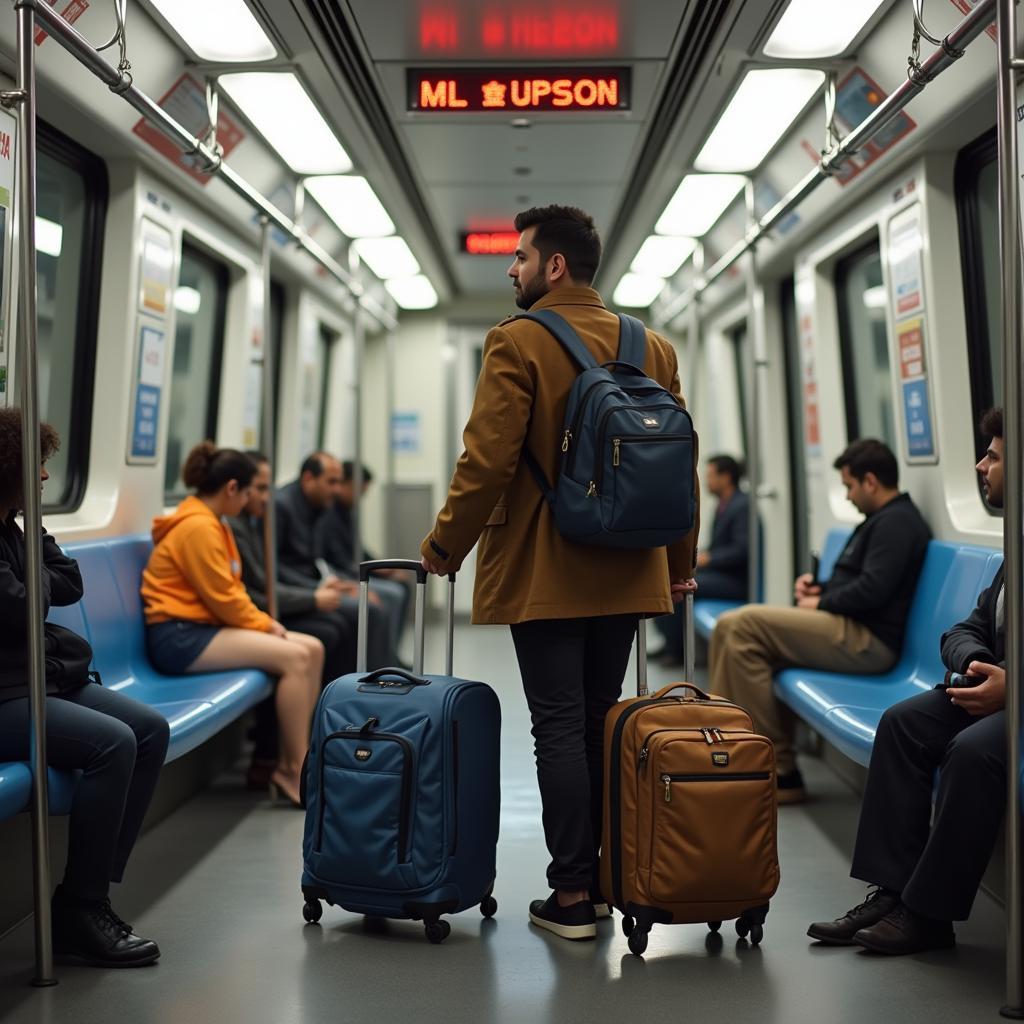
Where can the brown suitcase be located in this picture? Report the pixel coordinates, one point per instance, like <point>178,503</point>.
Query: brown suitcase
<point>689,810</point>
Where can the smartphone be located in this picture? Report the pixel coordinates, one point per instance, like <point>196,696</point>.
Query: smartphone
<point>959,679</point>
<point>815,567</point>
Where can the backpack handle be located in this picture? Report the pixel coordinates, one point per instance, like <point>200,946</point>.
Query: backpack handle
<point>621,366</point>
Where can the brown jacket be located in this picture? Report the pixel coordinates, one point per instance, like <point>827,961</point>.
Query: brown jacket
<point>525,568</point>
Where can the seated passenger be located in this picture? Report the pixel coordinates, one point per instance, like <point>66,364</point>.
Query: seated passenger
<point>315,610</point>
<point>300,506</point>
<point>722,568</point>
<point>924,874</point>
<point>852,623</point>
<point>199,617</point>
<point>336,544</point>
<point>118,743</point>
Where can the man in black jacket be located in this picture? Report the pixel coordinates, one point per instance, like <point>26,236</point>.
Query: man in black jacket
<point>852,623</point>
<point>722,568</point>
<point>925,874</point>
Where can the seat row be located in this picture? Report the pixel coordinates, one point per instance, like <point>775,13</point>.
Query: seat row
<point>110,617</point>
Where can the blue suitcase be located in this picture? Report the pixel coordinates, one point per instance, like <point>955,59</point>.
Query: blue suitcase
<point>402,787</point>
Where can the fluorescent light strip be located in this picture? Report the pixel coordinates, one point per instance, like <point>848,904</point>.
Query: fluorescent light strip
<point>387,257</point>
<point>412,292</point>
<point>217,30</point>
<point>662,255</point>
<point>637,291</point>
<point>49,237</point>
<point>819,28</point>
<point>285,115</point>
<point>352,205</point>
<point>762,108</point>
<point>187,300</point>
<point>698,203</point>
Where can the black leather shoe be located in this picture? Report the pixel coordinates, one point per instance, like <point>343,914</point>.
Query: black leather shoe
<point>575,922</point>
<point>841,931</point>
<point>91,933</point>
<point>902,931</point>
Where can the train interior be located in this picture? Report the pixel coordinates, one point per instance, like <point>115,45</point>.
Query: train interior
<point>392,144</point>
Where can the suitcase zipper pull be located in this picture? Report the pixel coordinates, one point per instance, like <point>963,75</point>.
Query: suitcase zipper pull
<point>566,440</point>
<point>644,754</point>
<point>371,723</point>
<point>615,451</point>
<point>667,779</point>
<point>721,735</point>
<point>706,733</point>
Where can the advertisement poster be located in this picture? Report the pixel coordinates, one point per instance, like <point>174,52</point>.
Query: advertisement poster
<point>156,269</point>
<point>145,419</point>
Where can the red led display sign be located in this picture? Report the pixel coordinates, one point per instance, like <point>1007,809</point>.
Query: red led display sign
<point>518,91</point>
<point>490,243</point>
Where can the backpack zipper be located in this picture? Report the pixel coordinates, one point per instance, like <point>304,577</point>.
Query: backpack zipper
<point>617,442</point>
<point>668,779</point>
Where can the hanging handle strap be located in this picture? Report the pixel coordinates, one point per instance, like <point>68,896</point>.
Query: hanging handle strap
<point>632,341</point>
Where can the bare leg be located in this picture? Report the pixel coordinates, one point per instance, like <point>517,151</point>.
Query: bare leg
<point>297,661</point>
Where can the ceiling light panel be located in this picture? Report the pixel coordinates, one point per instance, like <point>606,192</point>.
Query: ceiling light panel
<point>698,203</point>
<point>387,257</point>
<point>637,291</point>
<point>217,30</point>
<point>49,237</point>
<point>286,116</point>
<point>662,255</point>
<point>350,202</point>
<point>819,28</point>
<point>763,107</point>
<point>412,292</point>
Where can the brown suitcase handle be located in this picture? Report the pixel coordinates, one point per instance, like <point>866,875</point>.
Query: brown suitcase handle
<point>666,690</point>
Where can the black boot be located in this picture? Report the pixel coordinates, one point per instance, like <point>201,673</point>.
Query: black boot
<point>841,931</point>
<point>902,931</point>
<point>89,932</point>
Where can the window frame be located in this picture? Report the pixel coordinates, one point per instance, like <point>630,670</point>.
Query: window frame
<point>970,162</point>
<point>789,319</point>
<point>329,339</point>
<point>78,442</point>
<point>222,271</point>
<point>739,340</point>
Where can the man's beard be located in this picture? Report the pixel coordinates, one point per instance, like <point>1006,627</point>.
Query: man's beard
<point>536,289</point>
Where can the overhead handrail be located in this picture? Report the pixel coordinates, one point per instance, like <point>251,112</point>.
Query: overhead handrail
<point>953,47</point>
<point>120,82</point>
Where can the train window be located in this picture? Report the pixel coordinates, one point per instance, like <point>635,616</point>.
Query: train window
<point>977,193</point>
<point>201,303</point>
<point>864,342</point>
<point>71,197</point>
<point>328,338</point>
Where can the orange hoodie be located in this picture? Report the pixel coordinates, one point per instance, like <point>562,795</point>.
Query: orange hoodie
<point>195,572</point>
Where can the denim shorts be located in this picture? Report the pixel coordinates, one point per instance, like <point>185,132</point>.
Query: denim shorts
<point>172,646</point>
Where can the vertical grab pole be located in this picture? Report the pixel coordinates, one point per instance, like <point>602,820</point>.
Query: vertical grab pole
<point>756,358</point>
<point>391,369</point>
<point>1009,253</point>
<point>267,426</point>
<point>28,375</point>
<point>693,328</point>
<point>359,356</point>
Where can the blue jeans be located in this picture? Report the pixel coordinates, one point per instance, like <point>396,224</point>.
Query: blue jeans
<point>119,745</point>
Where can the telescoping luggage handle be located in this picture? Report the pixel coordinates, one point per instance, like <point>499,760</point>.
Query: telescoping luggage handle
<point>362,629</point>
<point>688,652</point>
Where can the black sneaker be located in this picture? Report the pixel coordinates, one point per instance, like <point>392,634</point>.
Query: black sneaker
<point>91,933</point>
<point>575,922</point>
<point>791,788</point>
<point>902,931</point>
<point>841,931</point>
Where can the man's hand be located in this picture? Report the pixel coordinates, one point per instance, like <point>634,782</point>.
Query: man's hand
<point>987,697</point>
<point>703,559</point>
<point>680,588</point>
<point>328,596</point>
<point>810,603</point>
<point>806,587</point>
<point>431,568</point>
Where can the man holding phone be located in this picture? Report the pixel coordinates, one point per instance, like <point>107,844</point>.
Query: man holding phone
<point>924,874</point>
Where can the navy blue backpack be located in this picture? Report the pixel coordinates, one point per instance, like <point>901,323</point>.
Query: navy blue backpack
<point>628,449</point>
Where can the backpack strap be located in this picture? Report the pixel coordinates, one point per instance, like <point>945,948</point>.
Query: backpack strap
<point>632,341</point>
<point>564,335</point>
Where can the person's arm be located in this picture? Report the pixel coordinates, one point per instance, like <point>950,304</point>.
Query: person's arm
<point>969,640</point>
<point>493,439</point>
<point>287,572</point>
<point>204,563</point>
<point>682,556</point>
<point>733,551</point>
<point>14,597</point>
<point>891,549</point>
<point>291,600</point>
<point>63,574</point>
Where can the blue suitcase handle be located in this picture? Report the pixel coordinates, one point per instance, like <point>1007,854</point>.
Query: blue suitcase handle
<point>383,673</point>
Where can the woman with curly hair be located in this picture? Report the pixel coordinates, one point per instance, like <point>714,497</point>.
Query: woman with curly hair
<point>118,744</point>
<point>199,616</point>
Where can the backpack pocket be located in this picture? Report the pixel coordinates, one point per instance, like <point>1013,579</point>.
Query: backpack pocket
<point>652,482</point>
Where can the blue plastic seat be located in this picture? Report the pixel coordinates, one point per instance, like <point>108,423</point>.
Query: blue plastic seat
<point>846,709</point>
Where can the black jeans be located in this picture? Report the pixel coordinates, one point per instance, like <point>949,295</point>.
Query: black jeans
<point>120,745</point>
<point>572,672</point>
<point>937,866</point>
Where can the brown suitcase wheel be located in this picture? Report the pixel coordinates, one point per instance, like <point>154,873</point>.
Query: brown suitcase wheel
<point>714,925</point>
<point>756,934</point>
<point>628,924</point>
<point>742,927</point>
<point>638,942</point>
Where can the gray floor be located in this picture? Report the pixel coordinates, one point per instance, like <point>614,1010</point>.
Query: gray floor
<point>218,886</point>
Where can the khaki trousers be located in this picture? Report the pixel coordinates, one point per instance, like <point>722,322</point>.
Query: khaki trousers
<point>751,643</point>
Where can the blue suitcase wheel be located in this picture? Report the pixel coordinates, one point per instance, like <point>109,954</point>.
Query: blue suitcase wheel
<point>489,906</point>
<point>312,911</point>
<point>438,931</point>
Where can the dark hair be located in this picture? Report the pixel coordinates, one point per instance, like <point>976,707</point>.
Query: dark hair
<point>313,463</point>
<point>348,472</point>
<point>568,230</point>
<point>728,465</point>
<point>257,457</point>
<point>209,468</point>
<point>870,456</point>
<point>10,453</point>
<point>991,424</point>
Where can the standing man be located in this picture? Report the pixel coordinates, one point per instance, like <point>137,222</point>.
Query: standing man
<point>924,872</point>
<point>573,609</point>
